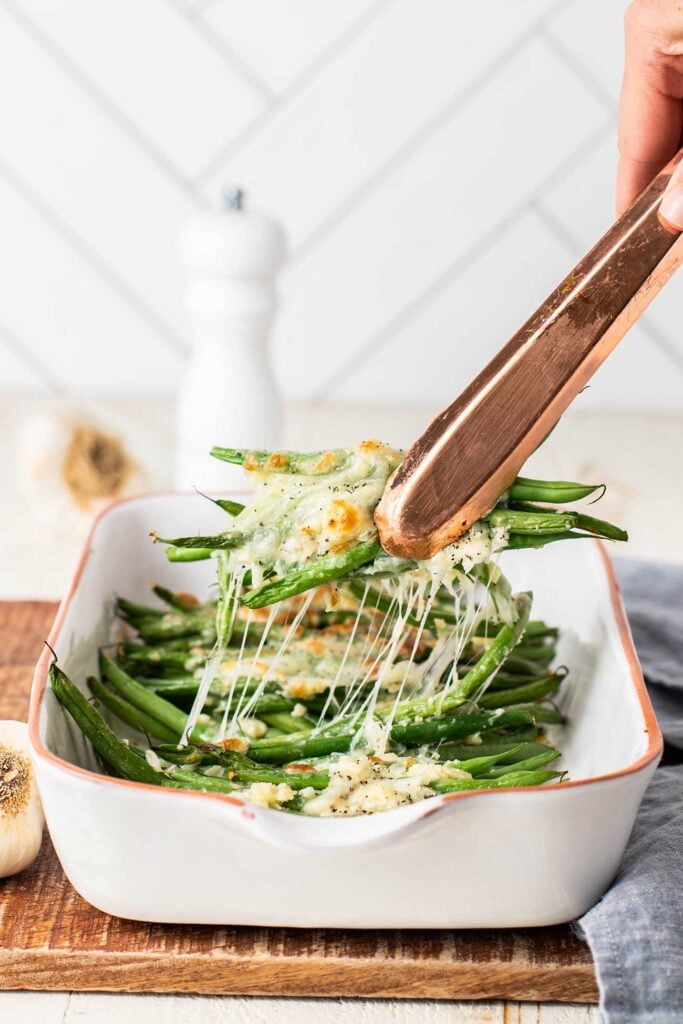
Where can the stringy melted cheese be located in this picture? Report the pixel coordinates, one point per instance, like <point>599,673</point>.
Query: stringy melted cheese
<point>311,662</point>
<point>294,519</point>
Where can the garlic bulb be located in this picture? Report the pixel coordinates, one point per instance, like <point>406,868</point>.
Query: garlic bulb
<point>21,813</point>
<point>70,467</point>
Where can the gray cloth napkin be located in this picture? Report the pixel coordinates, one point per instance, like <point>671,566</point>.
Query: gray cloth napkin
<point>635,932</point>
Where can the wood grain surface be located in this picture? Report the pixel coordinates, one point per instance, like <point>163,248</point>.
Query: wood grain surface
<point>52,939</point>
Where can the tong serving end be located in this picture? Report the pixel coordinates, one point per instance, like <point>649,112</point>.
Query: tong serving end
<point>471,453</point>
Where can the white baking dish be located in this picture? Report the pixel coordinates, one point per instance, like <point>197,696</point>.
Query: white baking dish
<point>535,856</point>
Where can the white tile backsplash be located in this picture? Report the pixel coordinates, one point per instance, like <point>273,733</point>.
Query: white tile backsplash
<point>158,73</point>
<point>430,210</point>
<point>438,167</point>
<point>593,33</point>
<point>18,365</point>
<point>48,294</point>
<point>279,40</point>
<point>88,171</point>
<point>384,94</point>
<point>434,354</point>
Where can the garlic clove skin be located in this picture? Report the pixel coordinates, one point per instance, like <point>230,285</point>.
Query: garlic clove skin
<point>21,812</point>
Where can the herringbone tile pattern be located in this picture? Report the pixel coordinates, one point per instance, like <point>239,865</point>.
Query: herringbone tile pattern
<point>438,164</point>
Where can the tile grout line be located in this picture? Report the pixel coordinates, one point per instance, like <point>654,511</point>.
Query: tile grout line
<point>325,57</point>
<point>198,8</point>
<point>427,129</point>
<point>404,316</point>
<point>195,19</point>
<point>659,337</point>
<point>290,92</point>
<point>564,54</point>
<point>97,263</point>
<point>12,341</point>
<point>103,101</point>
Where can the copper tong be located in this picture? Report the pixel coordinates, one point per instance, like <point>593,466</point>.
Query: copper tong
<point>456,471</point>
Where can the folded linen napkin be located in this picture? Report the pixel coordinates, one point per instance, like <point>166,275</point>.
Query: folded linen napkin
<point>635,932</point>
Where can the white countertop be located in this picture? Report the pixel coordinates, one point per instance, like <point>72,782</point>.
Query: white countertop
<point>84,1008</point>
<point>636,456</point>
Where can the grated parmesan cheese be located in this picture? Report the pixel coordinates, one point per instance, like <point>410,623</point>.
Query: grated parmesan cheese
<point>268,794</point>
<point>365,785</point>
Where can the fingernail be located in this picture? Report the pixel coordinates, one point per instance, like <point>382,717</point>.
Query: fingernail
<point>671,209</point>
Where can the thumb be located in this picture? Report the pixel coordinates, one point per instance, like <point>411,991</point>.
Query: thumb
<point>671,206</point>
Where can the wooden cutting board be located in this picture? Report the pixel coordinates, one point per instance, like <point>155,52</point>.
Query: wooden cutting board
<point>52,939</point>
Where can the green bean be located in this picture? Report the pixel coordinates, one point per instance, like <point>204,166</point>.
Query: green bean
<point>519,541</point>
<point>551,491</point>
<point>322,570</point>
<point>233,508</point>
<point>503,748</point>
<point>185,757</point>
<point>536,523</point>
<point>283,721</point>
<point>534,654</point>
<point>217,542</point>
<point>176,625</point>
<point>598,527</point>
<point>130,714</point>
<point>179,779</point>
<point>524,667</point>
<point>178,688</point>
<point>478,765</point>
<point>601,528</point>
<point>130,610</point>
<point>181,602</point>
<point>506,680</point>
<point>493,657</point>
<point>91,723</point>
<point>520,734</point>
<point>290,749</point>
<point>145,699</point>
<point>450,727</point>
<point>306,463</point>
<point>528,693</point>
<point>248,771</point>
<point>542,713</point>
<point>527,764</point>
<point>514,779</point>
<point>175,554</point>
<point>143,656</point>
<point>538,628</point>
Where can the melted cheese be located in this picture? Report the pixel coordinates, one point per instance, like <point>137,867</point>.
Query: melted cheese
<point>365,785</point>
<point>268,794</point>
<point>294,518</point>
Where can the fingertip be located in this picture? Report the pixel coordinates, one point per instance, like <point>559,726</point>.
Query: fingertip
<point>670,211</point>
<point>667,225</point>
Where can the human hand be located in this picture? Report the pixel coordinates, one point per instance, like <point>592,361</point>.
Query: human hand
<point>651,105</point>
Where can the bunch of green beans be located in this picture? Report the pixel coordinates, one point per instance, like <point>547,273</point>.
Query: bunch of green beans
<point>506,722</point>
<point>523,512</point>
<point>485,715</point>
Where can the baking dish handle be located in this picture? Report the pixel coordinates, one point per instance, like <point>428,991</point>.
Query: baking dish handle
<point>318,835</point>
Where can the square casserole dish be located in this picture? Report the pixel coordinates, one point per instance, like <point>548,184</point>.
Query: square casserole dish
<point>514,858</point>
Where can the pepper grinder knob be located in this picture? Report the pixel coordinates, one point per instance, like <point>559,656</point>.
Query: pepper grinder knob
<point>228,396</point>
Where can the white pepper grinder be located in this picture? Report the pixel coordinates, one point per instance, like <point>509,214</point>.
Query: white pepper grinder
<point>228,396</point>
